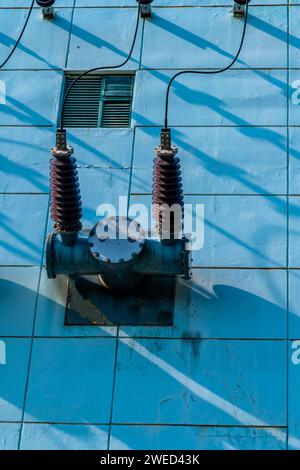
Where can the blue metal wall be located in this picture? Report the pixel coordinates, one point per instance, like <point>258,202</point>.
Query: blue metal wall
<point>226,375</point>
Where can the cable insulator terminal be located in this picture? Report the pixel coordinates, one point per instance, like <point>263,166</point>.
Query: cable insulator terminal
<point>62,149</point>
<point>65,199</point>
<point>167,193</point>
<point>166,148</point>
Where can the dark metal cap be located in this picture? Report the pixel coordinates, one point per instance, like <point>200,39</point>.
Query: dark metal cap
<point>242,2</point>
<point>45,3</point>
<point>144,2</point>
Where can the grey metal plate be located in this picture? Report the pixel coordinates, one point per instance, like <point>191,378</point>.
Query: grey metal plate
<point>149,304</point>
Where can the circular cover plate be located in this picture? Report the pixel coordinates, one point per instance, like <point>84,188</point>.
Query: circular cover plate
<point>116,239</point>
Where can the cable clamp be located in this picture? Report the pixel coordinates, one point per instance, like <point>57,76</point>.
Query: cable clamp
<point>239,9</point>
<point>48,13</point>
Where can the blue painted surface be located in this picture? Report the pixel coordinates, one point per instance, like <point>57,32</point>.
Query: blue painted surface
<point>294,252</point>
<point>294,382</point>
<point>9,433</point>
<point>32,53</point>
<point>13,378</point>
<point>88,50</point>
<point>24,159</point>
<point>231,358</point>
<point>212,161</point>
<point>180,30</point>
<point>201,382</point>
<point>258,240</point>
<point>196,437</point>
<point>22,231</point>
<point>56,393</point>
<point>66,437</point>
<point>32,98</point>
<point>294,316</point>
<point>16,317</point>
<point>245,97</point>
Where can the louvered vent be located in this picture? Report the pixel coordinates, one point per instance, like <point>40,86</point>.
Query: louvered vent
<point>98,101</point>
<point>116,109</point>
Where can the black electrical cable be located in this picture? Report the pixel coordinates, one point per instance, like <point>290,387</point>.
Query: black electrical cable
<point>206,72</point>
<point>61,120</point>
<point>19,38</point>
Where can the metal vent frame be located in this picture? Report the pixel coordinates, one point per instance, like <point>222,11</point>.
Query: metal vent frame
<point>98,100</point>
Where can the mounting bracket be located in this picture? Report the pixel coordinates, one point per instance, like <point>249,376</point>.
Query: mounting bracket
<point>48,13</point>
<point>239,8</point>
<point>145,8</point>
<point>151,303</point>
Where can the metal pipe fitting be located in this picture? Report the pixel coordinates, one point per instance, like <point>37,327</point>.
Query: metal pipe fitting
<point>122,261</point>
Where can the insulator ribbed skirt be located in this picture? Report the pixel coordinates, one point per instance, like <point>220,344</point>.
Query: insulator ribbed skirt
<point>167,193</point>
<point>66,208</point>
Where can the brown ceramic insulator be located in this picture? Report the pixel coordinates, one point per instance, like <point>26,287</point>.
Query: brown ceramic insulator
<point>66,209</point>
<point>167,191</point>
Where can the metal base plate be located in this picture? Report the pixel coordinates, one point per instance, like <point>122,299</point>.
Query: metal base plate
<point>149,304</point>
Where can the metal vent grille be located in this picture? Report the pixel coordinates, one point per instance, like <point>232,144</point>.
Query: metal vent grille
<point>98,101</point>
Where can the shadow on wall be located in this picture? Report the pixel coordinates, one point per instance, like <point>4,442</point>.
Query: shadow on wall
<point>59,394</point>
